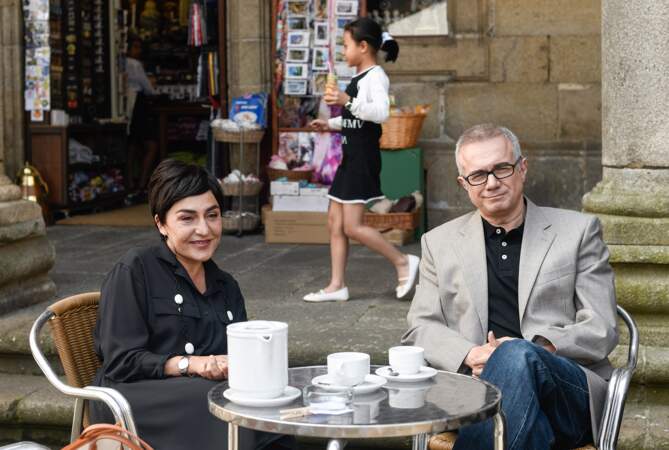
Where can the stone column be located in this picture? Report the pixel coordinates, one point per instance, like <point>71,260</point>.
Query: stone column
<point>249,62</point>
<point>25,253</point>
<point>632,199</point>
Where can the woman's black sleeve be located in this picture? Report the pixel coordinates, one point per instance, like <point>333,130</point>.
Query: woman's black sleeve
<point>122,332</point>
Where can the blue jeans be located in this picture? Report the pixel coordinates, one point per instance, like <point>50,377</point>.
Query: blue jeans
<point>544,398</point>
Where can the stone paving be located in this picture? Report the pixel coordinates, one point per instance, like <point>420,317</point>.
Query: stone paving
<point>273,279</point>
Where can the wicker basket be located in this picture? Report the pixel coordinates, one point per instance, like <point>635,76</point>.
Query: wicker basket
<point>400,221</point>
<point>291,175</point>
<point>250,136</point>
<point>248,188</point>
<point>401,130</point>
<point>231,221</point>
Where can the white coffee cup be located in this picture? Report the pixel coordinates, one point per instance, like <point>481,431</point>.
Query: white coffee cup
<point>405,359</point>
<point>348,368</point>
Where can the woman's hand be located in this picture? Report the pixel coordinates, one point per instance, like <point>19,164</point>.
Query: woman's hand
<point>319,124</point>
<point>212,367</point>
<point>336,97</point>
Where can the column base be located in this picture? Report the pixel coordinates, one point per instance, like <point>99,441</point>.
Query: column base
<point>633,206</point>
<point>26,256</point>
<point>630,192</point>
<point>24,293</point>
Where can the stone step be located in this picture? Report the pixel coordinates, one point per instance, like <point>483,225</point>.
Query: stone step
<point>15,355</point>
<point>30,409</point>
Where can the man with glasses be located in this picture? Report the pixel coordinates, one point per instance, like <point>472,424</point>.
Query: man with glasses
<point>521,296</point>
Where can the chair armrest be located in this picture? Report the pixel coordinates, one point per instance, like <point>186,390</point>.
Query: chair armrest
<point>612,415</point>
<point>113,399</point>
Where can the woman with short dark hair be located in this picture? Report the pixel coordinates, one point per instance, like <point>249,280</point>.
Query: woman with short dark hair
<point>161,328</point>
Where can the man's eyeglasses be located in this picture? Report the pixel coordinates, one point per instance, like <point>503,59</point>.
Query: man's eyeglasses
<point>501,171</point>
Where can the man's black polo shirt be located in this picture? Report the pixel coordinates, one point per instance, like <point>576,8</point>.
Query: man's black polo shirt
<point>503,259</point>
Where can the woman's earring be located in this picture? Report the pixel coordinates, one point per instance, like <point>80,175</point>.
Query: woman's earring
<point>164,237</point>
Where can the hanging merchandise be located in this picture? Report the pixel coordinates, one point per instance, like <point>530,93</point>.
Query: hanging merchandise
<point>212,71</point>
<point>184,6</point>
<point>202,76</point>
<point>149,20</point>
<point>37,91</point>
<point>208,77</point>
<point>197,32</point>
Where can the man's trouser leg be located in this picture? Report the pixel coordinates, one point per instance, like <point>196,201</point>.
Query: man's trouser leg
<point>544,397</point>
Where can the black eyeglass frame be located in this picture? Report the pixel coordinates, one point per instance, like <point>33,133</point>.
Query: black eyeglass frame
<point>492,172</point>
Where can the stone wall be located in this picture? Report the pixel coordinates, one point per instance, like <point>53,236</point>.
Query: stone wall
<point>531,65</point>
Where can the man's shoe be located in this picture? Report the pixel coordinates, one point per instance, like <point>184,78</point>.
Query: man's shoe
<point>321,296</point>
<point>403,289</point>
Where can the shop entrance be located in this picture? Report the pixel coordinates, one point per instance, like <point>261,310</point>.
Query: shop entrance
<point>113,87</point>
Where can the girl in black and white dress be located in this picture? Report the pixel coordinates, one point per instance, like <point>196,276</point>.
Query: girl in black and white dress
<point>357,181</point>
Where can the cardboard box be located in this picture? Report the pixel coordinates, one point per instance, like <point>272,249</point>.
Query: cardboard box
<point>283,227</point>
<point>284,188</point>
<point>311,228</point>
<point>314,192</point>
<point>299,203</point>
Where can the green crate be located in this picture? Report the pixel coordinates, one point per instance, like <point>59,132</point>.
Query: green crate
<point>401,174</point>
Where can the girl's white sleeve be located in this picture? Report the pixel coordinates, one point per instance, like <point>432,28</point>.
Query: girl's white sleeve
<point>372,103</point>
<point>334,123</point>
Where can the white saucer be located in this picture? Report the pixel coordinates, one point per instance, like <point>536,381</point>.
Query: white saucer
<point>289,394</point>
<point>371,384</point>
<point>425,373</point>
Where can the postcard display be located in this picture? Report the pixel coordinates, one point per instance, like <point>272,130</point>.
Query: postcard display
<point>309,45</point>
<point>38,38</point>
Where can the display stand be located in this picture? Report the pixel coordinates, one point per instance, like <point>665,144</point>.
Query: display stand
<point>244,221</point>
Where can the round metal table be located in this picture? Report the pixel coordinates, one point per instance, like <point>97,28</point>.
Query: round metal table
<point>446,402</point>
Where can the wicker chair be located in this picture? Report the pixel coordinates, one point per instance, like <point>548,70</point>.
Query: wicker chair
<point>72,321</point>
<point>616,395</point>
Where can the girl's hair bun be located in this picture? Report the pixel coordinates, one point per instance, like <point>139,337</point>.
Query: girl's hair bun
<point>389,47</point>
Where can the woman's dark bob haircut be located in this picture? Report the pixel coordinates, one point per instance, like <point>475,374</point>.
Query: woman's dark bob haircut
<point>174,180</point>
<point>366,29</point>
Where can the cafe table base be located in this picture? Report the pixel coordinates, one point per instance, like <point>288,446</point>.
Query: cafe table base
<point>447,402</point>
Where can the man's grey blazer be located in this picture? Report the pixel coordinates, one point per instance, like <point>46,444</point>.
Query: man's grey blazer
<point>565,293</point>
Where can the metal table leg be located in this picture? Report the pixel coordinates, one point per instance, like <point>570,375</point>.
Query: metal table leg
<point>499,433</point>
<point>420,441</point>
<point>336,444</point>
<point>233,436</point>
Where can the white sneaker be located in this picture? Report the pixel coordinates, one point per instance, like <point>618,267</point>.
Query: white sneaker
<point>403,289</point>
<point>321,296</point>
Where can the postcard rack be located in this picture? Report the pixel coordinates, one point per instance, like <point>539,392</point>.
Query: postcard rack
<point>307,43</point>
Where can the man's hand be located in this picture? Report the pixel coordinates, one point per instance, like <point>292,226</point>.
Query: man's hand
<point>545,343</point>
<point>478,356</point>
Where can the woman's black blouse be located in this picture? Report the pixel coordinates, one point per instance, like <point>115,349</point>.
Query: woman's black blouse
<point>140,325</point>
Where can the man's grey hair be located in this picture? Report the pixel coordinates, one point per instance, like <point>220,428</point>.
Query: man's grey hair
<point>485,132</point>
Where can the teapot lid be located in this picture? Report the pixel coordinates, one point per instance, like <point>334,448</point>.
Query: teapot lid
<point>253,327</point>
